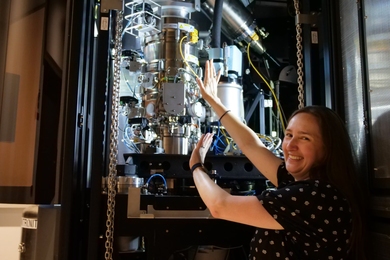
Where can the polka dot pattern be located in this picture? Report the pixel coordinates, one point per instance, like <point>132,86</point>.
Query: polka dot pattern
<point>315,216</point>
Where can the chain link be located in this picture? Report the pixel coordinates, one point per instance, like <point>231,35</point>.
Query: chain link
<point>299,57</point>
<point>111,182</point>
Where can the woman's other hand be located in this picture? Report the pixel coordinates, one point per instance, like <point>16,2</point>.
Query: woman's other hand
<point>208,88</point>
<point>202,147</point>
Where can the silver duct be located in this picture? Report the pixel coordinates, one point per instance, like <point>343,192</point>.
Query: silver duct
<point>237,24</point>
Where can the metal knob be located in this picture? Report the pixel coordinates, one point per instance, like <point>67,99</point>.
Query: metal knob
<point>22,247</point>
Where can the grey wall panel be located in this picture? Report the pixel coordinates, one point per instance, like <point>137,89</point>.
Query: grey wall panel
<point>352,79</point>
<point>366,63</point>
<point>377,24</point>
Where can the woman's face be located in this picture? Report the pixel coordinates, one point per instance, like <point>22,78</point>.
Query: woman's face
<point>302,145</point>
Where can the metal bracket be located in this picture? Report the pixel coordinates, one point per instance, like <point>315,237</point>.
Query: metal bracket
<point>307,19</point>
<point>197,5</point>
<point>203,214</point>
<point>107,5</point>
<point>134,202</point>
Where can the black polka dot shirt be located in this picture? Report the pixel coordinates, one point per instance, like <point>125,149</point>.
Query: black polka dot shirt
<point>315,216</point>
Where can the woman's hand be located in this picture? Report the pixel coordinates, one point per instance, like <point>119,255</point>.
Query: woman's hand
<point>208,88</point>
<point>202,147</point>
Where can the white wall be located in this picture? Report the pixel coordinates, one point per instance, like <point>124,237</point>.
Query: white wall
<point>10,230</point>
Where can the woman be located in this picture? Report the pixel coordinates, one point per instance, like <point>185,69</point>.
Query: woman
<point>315,212</point>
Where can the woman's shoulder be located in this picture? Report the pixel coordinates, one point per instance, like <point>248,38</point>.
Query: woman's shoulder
<point>284,177</point>
<point>318,190</point>
<point>310,187</point>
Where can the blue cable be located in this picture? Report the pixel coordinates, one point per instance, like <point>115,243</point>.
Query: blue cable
<point>251,192</point>
<point>218,149</point>
<point>154,175</point>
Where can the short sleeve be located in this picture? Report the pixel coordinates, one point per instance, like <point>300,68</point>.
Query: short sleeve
<point>284,177</point>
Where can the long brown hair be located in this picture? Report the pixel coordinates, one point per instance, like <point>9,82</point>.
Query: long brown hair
<point>339,168</point>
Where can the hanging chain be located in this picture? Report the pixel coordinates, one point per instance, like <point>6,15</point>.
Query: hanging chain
<point>299,57</point>
<point>111,182</point>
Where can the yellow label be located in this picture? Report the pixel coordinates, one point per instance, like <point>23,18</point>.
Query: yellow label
<point>186,27</point>
<point>254,37</point>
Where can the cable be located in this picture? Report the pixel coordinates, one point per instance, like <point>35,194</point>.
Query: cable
<point>276,119</point>
<point>157,174</point>
<point>127,83</point>
<point>128,140</point>
<point>181,70</point>
<point>279,142</point>
<point>217,149</point>
<point>250,193</point>
<point>268,85</point>
<point>182,56</point>
<point>192,75</point>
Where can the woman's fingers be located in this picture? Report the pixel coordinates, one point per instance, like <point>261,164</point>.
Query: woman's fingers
<point>209,84</point>
<point>199,81</point>
<point>207,140</point>
<point>218,76</point>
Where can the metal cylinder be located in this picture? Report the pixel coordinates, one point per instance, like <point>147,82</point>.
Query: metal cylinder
<point>175,139</point>
<point>231,95</point>
<point>163,52</point>
<point>124,182</point>
<point>237,23</point>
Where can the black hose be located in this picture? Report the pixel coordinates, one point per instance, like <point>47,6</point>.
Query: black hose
<point>217,24</point>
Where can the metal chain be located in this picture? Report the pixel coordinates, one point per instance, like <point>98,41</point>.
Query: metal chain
<point>111,182</point>
<point>299,57</point>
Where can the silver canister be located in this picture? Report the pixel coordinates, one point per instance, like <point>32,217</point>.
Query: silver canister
<point>124,182</point>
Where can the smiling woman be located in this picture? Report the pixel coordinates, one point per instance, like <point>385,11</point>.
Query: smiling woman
<point>303,146</point>
<point>316,210</point>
